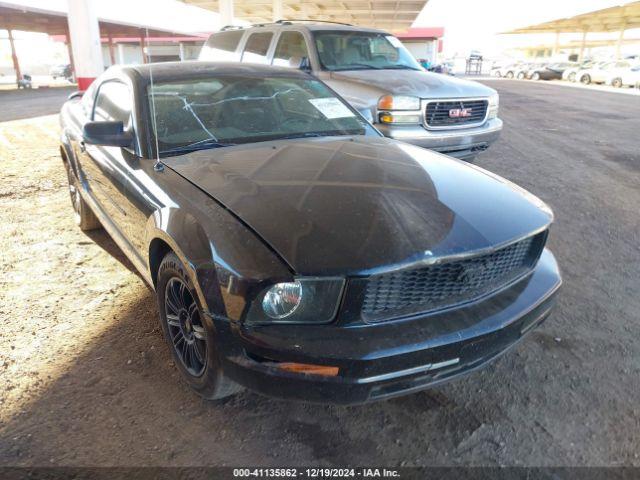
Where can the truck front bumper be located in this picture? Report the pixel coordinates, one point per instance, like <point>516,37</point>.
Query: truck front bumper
<point>460,143</point>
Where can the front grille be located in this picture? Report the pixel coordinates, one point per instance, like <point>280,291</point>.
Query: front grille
<point>438,286</point>
<point>449,113</point>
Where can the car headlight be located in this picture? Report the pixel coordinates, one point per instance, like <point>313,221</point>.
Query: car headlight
<point>305,300</point>
<point>398,102</point>
<point>494,104</point>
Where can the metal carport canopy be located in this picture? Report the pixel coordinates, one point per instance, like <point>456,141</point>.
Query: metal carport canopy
<point>613,19</point>
<point>388,15</point>
<point>53,22</point>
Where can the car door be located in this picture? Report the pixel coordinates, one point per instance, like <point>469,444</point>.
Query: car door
<point>108,167</point>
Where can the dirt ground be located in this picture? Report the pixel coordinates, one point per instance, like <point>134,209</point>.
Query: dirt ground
<point>87,380</point>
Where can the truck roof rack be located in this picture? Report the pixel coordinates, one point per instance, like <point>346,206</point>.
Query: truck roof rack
<point>282,22</point>
<point>291,20</point>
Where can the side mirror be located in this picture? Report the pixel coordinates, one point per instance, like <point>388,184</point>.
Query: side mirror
<point>108,134</point>
<point>77,94</point>
<point>301,63</point>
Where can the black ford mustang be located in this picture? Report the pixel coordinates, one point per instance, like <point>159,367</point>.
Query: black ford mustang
<point>293,249</point>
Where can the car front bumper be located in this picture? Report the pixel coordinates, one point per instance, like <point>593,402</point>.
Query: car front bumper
<point>460,143</point>
<point>391,358</point>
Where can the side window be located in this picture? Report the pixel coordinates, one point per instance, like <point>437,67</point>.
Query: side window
<point>221,46</point>
<point>256,48</point>
<point>113,103</point>
<point>291,48</point>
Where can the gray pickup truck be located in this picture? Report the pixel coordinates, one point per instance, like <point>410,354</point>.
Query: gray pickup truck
<point>374,72</point>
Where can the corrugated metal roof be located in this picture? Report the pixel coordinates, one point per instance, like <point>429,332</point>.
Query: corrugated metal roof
<point>613,19</point>
<point>384,14</point>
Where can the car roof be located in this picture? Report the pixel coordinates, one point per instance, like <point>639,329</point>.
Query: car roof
<point>168,71</point>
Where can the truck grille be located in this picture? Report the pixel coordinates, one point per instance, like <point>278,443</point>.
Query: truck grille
<point>455,113</point>
<point>438,286</point>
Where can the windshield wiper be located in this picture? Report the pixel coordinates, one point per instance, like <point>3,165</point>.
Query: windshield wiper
<point>328,133</point>
<point>192,147</point>
<point>358,66</point>
<point>400,67</point>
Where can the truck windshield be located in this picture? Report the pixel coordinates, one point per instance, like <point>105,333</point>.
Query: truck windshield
<point>349,50</point>
<point>226,110</point>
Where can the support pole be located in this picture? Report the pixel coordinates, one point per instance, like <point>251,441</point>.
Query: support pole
<point>70,53</point>
<point>277,10</point>
<point>14,57</point>
<point>556,45</point>
<point>85,41</point>
<point>225,8</point>
<point>582,45</point>
<point>145,59</point>
<point>619,42</point>
<point>112,52</point>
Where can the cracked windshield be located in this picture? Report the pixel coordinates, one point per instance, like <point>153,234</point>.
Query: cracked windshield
<point>226,110</point>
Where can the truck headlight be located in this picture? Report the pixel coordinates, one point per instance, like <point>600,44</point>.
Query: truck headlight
<point>305,300</point>
<point>398,102</point>
<point>494,104</point>
<point>399,109</point>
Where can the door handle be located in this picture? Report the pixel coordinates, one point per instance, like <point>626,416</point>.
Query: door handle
<point>83,147</point>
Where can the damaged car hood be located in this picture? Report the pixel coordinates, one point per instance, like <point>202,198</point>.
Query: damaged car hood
<point>360,205</point>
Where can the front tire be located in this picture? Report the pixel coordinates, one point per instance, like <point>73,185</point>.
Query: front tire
<point>190,334</point>
<point>585,79</point>
<point>520,76</point>
<point>535,76</point>
<point>82,213</point>
<point>509,75</point>
<point>616,82</point>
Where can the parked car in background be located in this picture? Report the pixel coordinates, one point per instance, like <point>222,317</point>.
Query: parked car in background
<point>292,248</point>
<point>571,72</point>
<point>549,72</point>
<point>61,71</point>
<point>509,71</point>
<point>374,72</point>
<point>525,71</point>
<point>629,77</point>
<point>443,68</point>
<point>601,72</point>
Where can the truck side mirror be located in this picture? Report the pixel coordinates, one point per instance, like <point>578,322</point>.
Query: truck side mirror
<point>301,63</point>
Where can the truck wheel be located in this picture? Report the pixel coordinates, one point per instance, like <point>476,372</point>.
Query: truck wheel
<point>82,213</point>
<point>190,335</point>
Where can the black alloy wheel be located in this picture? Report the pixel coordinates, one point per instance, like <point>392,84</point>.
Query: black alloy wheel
<point>187,334</point>
<point>191,335</point>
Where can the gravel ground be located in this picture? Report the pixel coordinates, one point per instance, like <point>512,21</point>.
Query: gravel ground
<point>86,379</point>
